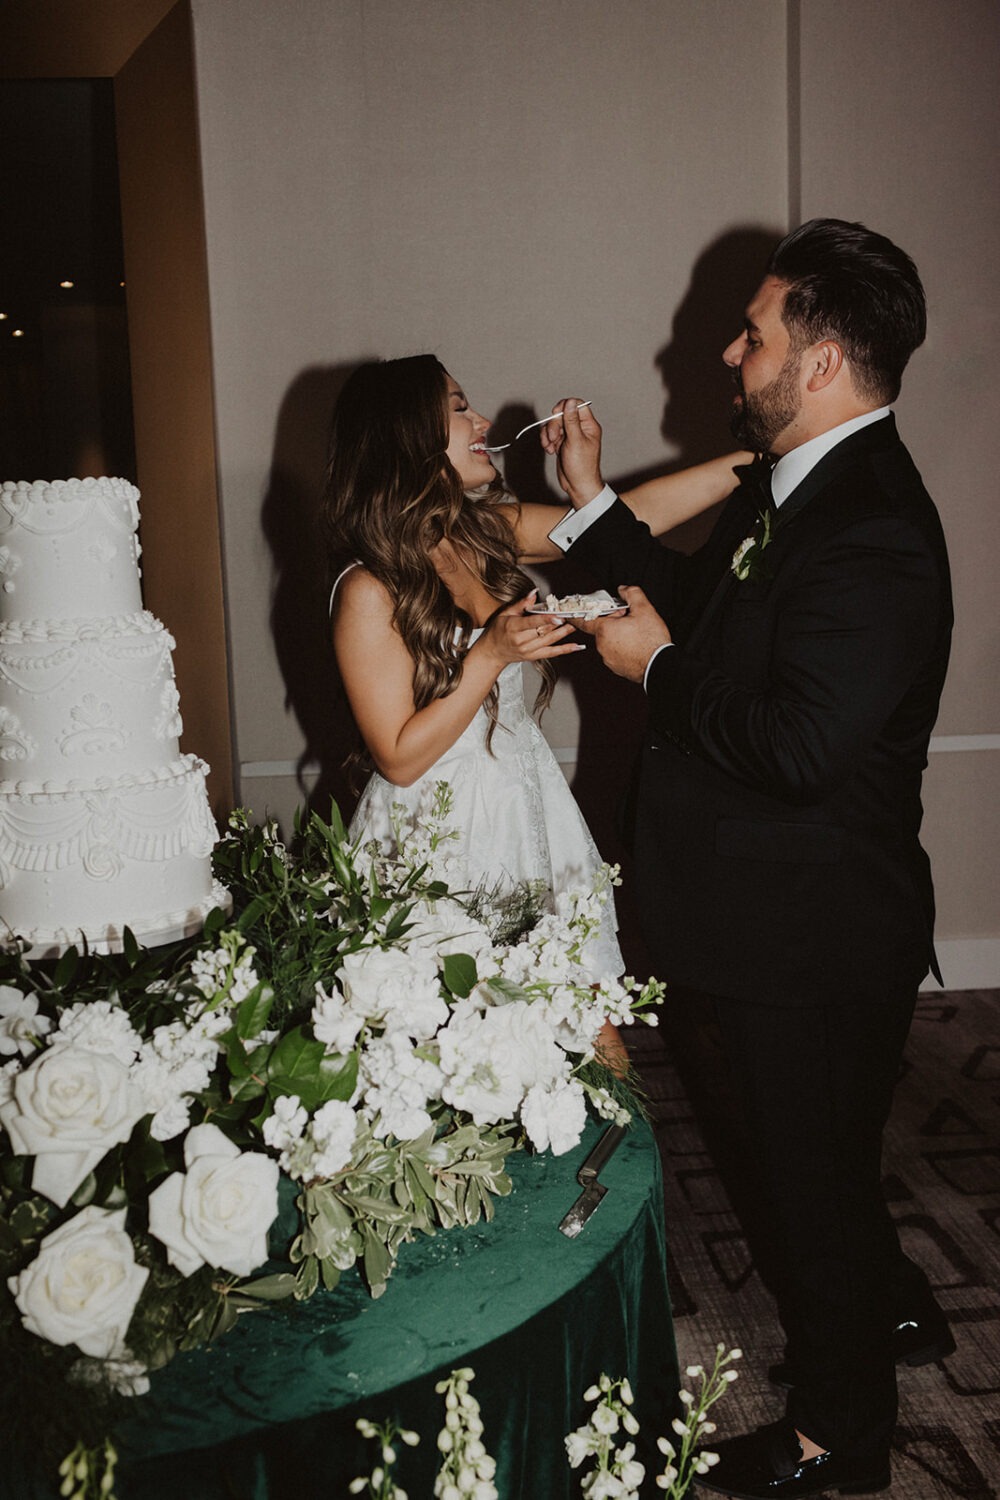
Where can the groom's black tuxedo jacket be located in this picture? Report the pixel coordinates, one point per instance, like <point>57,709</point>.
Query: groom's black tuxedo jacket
<point>776,810</point>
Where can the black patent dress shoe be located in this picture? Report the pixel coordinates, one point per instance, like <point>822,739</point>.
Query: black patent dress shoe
<point>921,1339</point>
<point>769,1462</point>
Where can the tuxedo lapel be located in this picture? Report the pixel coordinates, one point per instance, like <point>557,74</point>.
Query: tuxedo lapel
<point>871,439</point>
<point>755,487</point>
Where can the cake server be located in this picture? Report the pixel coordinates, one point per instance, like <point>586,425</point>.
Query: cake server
<point>593,1190</point>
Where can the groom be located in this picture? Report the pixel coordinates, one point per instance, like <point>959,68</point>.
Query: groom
<point>792,670</point>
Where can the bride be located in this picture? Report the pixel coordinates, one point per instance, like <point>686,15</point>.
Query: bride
<point>431,625</point>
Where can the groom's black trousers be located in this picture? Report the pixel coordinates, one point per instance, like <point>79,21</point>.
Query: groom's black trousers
<point>816,1084</point>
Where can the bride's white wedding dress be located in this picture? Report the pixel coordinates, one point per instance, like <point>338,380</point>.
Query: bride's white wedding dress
<point>516,816</point>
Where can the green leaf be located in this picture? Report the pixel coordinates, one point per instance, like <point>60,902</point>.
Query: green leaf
<point>253,1013</point>
<point>29,1220</point>
<point>460,974</point>
<point>377,1261</point>
<point>254,909</point>
<point>213,924</point>
<point>66,969</point>
<point>377,1208</point>
<point>299,1065</point>
<point>307,1279</point>
<point>268,1288</point>
<point>330,1273</point>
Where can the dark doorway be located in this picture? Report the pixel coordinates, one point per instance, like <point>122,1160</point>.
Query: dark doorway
<point>65,393</point>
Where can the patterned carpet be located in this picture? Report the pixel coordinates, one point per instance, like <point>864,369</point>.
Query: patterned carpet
<point>942,1179</point>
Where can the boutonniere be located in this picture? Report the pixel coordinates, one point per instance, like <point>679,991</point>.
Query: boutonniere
<point>748,559</point>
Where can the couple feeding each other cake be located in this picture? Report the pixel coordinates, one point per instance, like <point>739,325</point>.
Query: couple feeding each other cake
<point>792,669</point>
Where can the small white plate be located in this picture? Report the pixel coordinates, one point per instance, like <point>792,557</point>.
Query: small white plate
<point>583,605</point>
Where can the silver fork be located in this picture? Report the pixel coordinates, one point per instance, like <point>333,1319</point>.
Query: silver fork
<point>540,423</point>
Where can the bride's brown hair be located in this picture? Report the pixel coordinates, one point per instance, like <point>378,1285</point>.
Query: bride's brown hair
<point>392,496</point>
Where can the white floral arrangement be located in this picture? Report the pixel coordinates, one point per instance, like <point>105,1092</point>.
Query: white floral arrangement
<point>340,1065</point>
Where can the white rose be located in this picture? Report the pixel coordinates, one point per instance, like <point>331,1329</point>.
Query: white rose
<point>20,1022</point>
<point>67,1110</point>
<point>218,1212</point>
<point>83,1285</point>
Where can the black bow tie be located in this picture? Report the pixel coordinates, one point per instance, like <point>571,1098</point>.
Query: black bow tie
<point>755,480</point>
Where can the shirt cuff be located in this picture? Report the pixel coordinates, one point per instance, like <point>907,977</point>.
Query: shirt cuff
<point>575,524</point>
<point>645,676</point>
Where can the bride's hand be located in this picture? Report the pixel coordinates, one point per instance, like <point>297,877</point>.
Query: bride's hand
<point>513,635</point>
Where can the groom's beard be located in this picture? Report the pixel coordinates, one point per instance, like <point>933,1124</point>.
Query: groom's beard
<point>762,415</point>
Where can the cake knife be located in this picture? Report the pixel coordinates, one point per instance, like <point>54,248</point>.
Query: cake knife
<point>593,1190</point>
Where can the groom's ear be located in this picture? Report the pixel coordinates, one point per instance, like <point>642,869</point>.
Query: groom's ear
<point>822,363</point>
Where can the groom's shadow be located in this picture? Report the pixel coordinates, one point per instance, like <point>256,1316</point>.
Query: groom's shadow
<point>698,391</point>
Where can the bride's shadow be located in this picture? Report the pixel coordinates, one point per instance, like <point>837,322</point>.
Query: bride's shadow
<point>291,519</point>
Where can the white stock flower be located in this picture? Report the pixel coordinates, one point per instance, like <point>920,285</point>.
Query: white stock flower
<point>99,1026</point>
<point>83,1285</point>
<point>605,1419</point>
<point>580,1445</point>
<point>67,1110</point>
<point>334,1129</point>
<point>335,1023</point>
<point>218,1212</point>
<point>284,1128</point>
<point>20,1022</point>
<point>492,1058</point>
<point>400,988</point>
<point>554,1117</point>
<point>444,926</point>
<point>396,1084</point>
<point>176,1064</point>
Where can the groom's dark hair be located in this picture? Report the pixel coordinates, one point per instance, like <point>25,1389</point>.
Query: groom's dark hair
<point>849,284</point>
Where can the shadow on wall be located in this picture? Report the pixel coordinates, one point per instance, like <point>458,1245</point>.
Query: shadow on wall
<point>695,421</point>
<point>291,519</point>
<point>612,711</point>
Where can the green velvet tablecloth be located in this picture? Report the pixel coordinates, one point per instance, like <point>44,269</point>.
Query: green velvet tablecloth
<point>268,1412</point>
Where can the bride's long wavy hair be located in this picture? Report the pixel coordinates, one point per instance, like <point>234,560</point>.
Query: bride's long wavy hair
<point>392,496</point>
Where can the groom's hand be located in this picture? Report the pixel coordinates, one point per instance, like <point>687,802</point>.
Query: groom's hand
<point>626,642</point>
<point>576,443</point>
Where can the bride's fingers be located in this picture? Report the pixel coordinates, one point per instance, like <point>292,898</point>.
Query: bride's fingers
<point>548,638</point>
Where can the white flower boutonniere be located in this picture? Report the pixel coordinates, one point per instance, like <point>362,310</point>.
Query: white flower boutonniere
<point>748,559</point>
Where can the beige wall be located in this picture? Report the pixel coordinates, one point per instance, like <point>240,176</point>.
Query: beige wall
<point>909,141</point>
<point>575,198</point>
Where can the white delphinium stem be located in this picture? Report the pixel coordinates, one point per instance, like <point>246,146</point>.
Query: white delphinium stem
<point>379,1484</point>
<point>467,1470</point>
<point>89,1473</point>
<point>618,1472</point>
<point>685,1462</point>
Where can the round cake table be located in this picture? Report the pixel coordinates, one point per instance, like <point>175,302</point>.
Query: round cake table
<point>268,1412</point>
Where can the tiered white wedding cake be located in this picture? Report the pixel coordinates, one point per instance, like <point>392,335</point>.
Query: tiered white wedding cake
<point>107,825</point>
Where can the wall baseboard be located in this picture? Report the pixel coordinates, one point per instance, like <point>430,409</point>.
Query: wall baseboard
<point>967,964</point>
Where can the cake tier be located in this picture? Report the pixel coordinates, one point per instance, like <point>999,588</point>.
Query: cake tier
<point>66,545</point>
<point>80,698</point>
<point>89,860</point>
